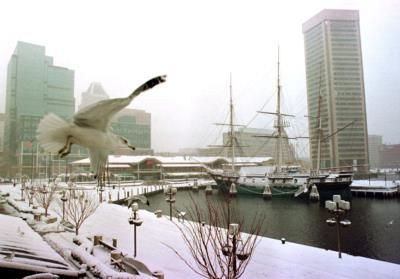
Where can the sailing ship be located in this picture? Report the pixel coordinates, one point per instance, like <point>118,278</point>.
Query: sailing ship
<point>227,177</point>
<point>292,180</point>
<point>281,180</point>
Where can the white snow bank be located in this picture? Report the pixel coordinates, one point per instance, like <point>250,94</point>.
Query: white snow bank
<point>97,267</point>
<point>271,258</point>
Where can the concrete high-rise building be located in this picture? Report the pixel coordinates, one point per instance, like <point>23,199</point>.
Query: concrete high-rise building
<point>375,145</point>
<point>133,124</point>
<point>2,122</point>
<point>335,79</point>
<point>35,87</point>
<point>390,156</point>
<point>94,94</point>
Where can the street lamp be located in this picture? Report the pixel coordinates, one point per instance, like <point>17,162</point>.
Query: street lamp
<point>170,192</point>
<point>136,222</point>
<point>231,249</point>
<point>338,208</point>
<point>22,190</point>
<point>31,194</point>
<point>64,199</point>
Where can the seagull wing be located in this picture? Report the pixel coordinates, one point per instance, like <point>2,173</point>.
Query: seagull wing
<point>98,160</point>
<point>98,115</point>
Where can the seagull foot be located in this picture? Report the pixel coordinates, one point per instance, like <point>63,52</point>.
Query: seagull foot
<point>63,153</point>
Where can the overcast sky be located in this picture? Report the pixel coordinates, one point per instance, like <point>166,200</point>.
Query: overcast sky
<point>197,44</point>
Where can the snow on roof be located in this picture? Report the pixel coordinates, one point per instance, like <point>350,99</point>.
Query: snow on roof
<point>125,159</point>
<point>21,245</point>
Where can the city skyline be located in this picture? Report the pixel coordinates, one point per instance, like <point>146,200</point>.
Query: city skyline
<point>123,44</point>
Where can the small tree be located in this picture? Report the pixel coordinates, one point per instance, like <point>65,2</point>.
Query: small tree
<point>79,207</point>
<point>216,251</point>
<point>45,196</point>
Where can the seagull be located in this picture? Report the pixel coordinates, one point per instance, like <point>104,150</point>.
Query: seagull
<point>137,198</point>
<point>90,128</point>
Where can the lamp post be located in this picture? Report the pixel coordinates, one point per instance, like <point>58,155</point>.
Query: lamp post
<point>22,190</point>
<point>64,199</point>
<point>31,194</point>
<point>170,192</point>
<point>338,208</point>
<point>231,249</point>
<point>44,192</point>
<point>136,222</point>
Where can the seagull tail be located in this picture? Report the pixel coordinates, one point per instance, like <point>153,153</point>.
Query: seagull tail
<point>148,85</point>
<point>52,133</point>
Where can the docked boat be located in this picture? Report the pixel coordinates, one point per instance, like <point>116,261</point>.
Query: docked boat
<point>281,179</point>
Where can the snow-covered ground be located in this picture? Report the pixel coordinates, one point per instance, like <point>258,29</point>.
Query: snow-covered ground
<point>271,259</point>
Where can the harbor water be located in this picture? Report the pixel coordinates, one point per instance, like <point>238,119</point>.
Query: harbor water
<point>374,232</point>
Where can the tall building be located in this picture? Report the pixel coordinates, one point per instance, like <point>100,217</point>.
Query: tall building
<point>375,145</point>
<point>334,71</point>
<point>94,94</point>
<point>390,156</point>
<point>3,161</point>
<point>35,87</point>
<point>2,121</point>
<point>133,124</point>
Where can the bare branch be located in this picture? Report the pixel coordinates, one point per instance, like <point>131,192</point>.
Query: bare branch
<point>211,246</point>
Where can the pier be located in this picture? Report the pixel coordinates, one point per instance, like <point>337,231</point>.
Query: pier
<point>375,189</point>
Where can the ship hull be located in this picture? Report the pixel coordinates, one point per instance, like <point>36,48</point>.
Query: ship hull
<point>328,189</point>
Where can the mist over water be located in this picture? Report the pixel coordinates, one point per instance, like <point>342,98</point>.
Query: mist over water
<point>374,232</point>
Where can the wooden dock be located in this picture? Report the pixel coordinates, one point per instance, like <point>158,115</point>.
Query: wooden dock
<point>375,189</point>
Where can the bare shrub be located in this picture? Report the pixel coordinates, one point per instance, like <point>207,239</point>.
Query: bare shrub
<point>216,251</point>
<point>78,207</point>
<point>45,195</point>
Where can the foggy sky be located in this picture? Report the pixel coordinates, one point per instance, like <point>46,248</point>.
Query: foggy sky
<point>197,44</point>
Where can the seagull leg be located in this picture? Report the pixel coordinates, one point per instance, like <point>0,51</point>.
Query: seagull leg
<point>132,147</point>
<point>67,148</point>
<point>124,140</point>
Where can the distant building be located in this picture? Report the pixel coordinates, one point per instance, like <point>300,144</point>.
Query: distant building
<point>334,71</point>
<point>390,156</point>
<point>2,122</point>
<point>166,167</point>
<point>133,124</point>
<point>3,161</point>
<point>375,146</point>
<point>251,142</point>
<point>93,94</point>
<point>254,142</point>
<point>35,87</point>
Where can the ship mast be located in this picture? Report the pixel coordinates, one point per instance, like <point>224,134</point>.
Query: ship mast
<point>319,128</point>
<point>319,123</point>
<point>279,122</point>
<point>231,132</point>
